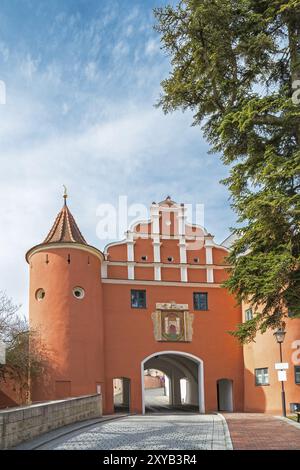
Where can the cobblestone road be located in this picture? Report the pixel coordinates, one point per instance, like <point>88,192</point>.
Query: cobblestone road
<point>150,432</point>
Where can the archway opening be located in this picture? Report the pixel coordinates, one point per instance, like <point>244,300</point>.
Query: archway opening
<point>121,394</point>
<point>182,374</point>
<point>225,395</point>
<point>185,385</point>
<point>157,389</point>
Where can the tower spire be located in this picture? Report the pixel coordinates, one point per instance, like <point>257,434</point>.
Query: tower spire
<point>65,196</point>
<point>65,229</point>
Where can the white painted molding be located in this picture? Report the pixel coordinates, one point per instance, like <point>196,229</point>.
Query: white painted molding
<point>181,221</point>
<point>182,249</point>
<point>130,247</point>
<point>157,273</point>
<point>148,264</point>
<point>183,274</point>
<point>210,275</point>
<point>104,269</point>
<point>130,255</point>
<point>60,246</point>
<point>131,271</point>
<point>120,242</point>
<point>156,249</point>
<point>154,211</point>
<point>208,255</point>
<point>141,282</point>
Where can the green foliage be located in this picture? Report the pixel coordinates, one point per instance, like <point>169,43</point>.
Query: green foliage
<point>235,64</point>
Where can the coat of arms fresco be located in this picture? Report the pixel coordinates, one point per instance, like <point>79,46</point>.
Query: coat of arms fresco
<point>172,322</point>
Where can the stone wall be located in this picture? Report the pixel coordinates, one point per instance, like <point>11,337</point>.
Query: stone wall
<point>152,382</point>
<point>22,423</point>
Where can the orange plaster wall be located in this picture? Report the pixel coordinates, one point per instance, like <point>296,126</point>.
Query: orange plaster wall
<point>143,228</point>
<point>191,254</point>
<point>117,272</point>
<point>191,230</point>
<point>264,353</point>
<point>219,256</point>
<point>143,247</point>
<point>220,275</point>
<point>197,275</point>
<point>169,248</point>
<point>170,274</point>
<point>144,273</point>
<point>10,394</point>
<point>129,339</point>
<point>118,252</point>
<point>71,329</point>
<point>168,223</point>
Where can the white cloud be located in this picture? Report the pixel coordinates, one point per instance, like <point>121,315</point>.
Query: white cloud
<point>129,30</point>
<point>29,67</point>
<point>4,51</point>
<point>91,125</point>
<point>65,108</point>
<point>152,47</point>
<point>120,50</point>
<point>97,164</point>
<point>91,71</point>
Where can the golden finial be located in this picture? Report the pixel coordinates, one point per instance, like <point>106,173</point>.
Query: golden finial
<point>65,194</point>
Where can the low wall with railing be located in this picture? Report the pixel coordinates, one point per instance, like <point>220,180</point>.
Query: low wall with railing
<point>23,423</point>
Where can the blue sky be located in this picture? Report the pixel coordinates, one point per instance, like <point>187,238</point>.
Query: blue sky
<point>82,77</point>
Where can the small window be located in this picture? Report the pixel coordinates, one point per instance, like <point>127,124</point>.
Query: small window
<point>138,298</point>
<point>200,301</point>
<point>144,258</point>
<point>196,260</point>
<point>262,376</point>
<point>297,374</point>
<point>40,294</point>
<point>248,314</point>
<point>170,259</point>
<point>78,292</point>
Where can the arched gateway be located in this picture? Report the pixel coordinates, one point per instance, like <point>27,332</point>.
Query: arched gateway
<point>178,365</point>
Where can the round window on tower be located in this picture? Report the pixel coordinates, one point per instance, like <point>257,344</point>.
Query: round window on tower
<point>40,294</point>
<point>78,292</point>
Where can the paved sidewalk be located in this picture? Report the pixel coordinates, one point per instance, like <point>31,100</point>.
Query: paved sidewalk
<point>257,431</point>
<point>150,432</point>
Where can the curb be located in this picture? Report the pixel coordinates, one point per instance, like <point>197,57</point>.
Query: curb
<point>228,440</point>
<point>289,421</point>
<point>60,432</point>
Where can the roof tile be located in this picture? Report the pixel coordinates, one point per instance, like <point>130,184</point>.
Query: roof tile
<point>65,229</point>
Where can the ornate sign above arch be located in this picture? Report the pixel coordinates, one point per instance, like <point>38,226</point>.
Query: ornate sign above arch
<point>172,322</point>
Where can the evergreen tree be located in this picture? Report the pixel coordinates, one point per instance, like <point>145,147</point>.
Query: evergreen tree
<point>236,65</point>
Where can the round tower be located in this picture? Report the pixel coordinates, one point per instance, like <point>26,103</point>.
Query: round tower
<point>66,311</point>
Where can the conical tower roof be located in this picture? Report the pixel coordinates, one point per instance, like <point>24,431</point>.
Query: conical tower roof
<point>65,229</point>
<point>63,233</point>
